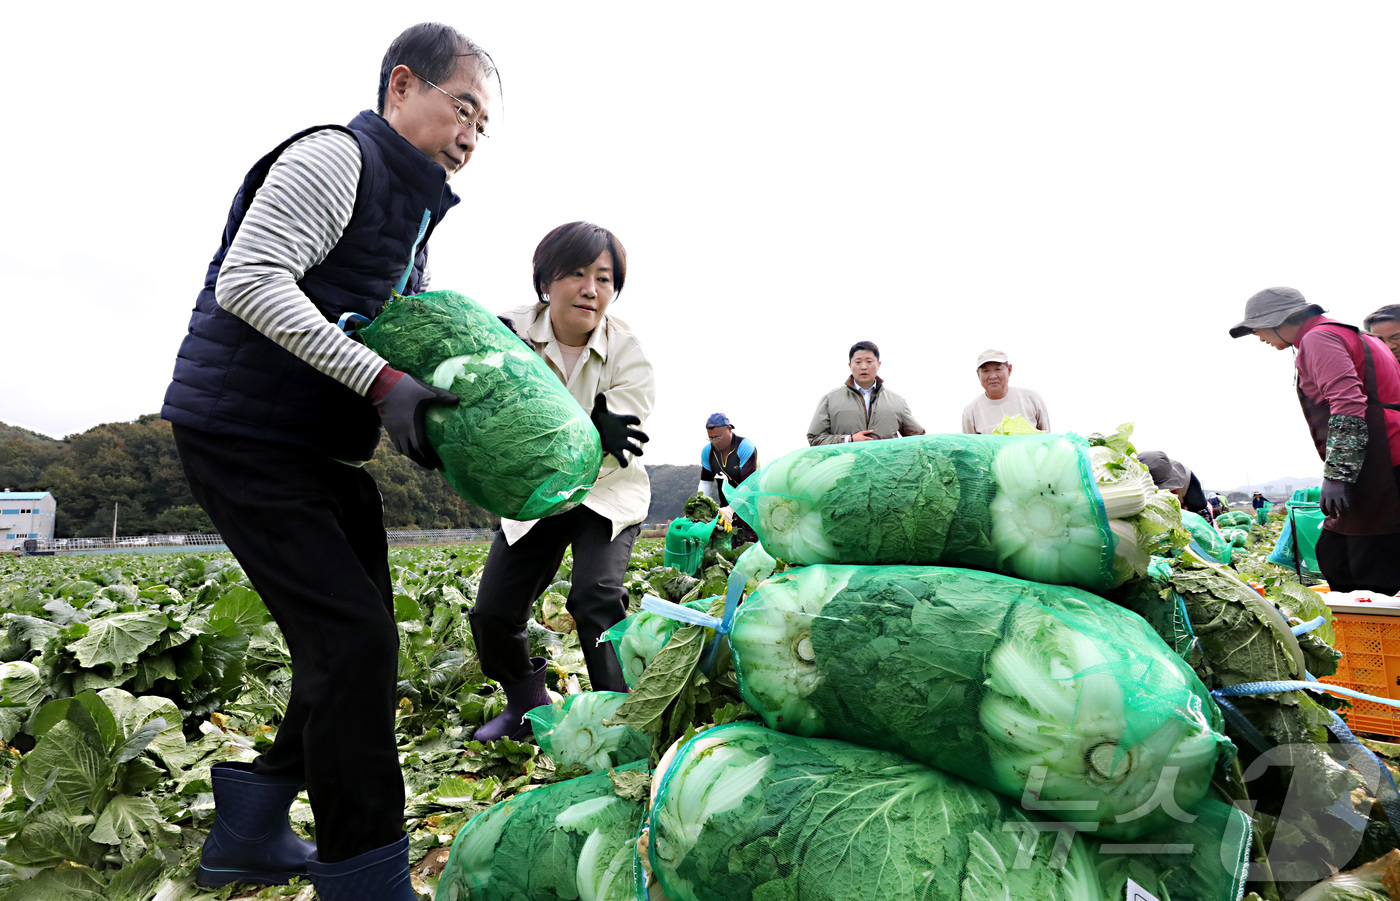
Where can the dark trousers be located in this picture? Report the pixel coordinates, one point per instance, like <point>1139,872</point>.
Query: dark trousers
<point>516,575</point>
<point>309,532</point>
<point>1359,562</point>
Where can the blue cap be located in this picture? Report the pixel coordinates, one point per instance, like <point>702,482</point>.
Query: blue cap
<point>718,420</point>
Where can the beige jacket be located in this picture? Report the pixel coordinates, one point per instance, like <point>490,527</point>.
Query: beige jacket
<point>842,413</point>
<point>613,364</point>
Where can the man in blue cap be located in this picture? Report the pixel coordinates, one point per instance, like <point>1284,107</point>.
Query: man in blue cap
<point>726,458</point>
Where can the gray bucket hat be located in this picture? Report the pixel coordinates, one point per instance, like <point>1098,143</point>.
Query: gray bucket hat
<point>1167,474</point>
<point>1268,309</point>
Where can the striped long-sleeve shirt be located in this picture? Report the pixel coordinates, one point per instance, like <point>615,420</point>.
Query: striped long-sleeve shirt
<point>296,218</point>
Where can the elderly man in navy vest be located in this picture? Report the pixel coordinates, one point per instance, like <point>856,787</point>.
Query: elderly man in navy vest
<point>275,410</point>
<point>726,457</point>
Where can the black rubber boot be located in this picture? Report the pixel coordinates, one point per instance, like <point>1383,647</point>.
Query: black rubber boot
<point>378,875</point>
<point>251,842</point>
<point>604,667</point>
<point>521,698</point>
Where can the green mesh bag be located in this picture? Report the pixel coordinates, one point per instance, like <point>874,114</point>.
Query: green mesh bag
<point>1234,519</point>
<point>1163,609</point>
<point>573,839</point>
<point>572,733</point>
<point>1035,691</point>
<point>1205,534</point>
<point>1235,537</point>
<point>518,445</point>
<point>745,813</point>
<point>641,636</point>
<point>1025,505</point>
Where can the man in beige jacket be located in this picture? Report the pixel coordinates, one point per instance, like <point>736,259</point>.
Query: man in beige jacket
<point>863,409</point>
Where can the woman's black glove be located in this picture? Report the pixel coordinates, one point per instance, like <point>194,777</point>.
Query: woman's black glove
<point>616,431</point>
<point>1336,496</point>
<point>401,411</point>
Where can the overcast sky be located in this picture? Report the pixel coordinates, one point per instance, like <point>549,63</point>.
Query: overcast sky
<point>1094,188</point>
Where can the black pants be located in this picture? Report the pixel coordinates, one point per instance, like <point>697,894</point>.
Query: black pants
<point>309,532</point>
<point>516,575</point>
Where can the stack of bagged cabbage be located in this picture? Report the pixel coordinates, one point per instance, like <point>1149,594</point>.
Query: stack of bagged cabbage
<point>930,730</point>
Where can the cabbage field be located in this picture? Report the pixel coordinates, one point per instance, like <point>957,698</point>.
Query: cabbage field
<point>125,677</point>
<point>128,675</point>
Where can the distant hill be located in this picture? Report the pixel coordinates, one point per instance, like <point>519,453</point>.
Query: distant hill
<point>671,486</point>
<point>1280,488</point>
<point>8,432</point>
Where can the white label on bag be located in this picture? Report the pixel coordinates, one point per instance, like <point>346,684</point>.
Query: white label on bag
<point>1138,893</point>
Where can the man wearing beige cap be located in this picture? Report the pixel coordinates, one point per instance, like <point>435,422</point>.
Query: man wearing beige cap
<point>998,399</point>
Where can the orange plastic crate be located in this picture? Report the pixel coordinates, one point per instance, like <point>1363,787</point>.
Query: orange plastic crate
<point>1370,663</point>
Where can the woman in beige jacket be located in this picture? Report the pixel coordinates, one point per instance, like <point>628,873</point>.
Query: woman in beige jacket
<point>579,269</point>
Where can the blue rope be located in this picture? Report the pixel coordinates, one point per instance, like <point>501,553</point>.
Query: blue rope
<point>1387,795</point>
<point>1309,626</point>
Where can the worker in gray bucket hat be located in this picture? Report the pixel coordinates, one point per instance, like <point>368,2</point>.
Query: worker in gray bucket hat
<point>1174,476</point>
<point>1349,389</point>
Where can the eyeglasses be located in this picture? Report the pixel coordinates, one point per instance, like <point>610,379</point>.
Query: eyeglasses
<point>466,114</point>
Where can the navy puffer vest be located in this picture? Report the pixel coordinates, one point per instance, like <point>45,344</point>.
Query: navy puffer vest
<point>232,380</point>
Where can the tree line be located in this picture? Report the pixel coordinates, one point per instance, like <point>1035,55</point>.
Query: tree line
<point>134,466</point>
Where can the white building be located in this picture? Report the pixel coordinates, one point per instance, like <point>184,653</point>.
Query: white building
<point>25,514</point>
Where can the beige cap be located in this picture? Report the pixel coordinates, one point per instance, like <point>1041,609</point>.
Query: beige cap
<point>991,356</point>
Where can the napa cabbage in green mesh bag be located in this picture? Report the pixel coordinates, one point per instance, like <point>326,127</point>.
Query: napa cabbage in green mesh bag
<point>572,839</point>
<point>743,812</point>
<point>1036,691</point>
<point>1033,506</point>
<point>1207,536</point>
<point>518,445</point>
<point>572,733</point>
<point>640,637</point>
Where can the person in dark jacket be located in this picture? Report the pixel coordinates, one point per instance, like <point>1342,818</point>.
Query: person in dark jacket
<point>1261,507</point>
<point>1348,385</point>
<point>726,458</point>
<point>274,411</point>
<point>1171,475</point>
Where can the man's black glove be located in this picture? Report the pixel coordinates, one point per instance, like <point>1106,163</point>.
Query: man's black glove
<point>401,411</point>
<point>1337,496</point>
<point>616,431</point>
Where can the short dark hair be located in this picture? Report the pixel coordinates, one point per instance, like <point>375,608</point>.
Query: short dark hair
<point>574,245</point>
<point>860,346</point>
<point>1303,315</point>
<point>1387,313</point>
<point>431,50</point>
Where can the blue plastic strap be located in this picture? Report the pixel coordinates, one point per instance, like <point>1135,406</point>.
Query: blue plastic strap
<point>733,593</point>
<point>413,254</point>
<point>680,613</point>
<point>1309,626</point>
<point>1387,795</point>
<point>350,323</point>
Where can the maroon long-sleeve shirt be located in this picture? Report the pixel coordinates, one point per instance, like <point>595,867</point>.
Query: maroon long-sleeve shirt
<point>1329,365</point>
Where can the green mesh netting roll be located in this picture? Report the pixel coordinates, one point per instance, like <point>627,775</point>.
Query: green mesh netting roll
<point>744,813</point>
<point>571,731</point>
<point>518,445</point>
<point>1025,505</point>
<point>573,839</point>
<point>1032,690</point>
